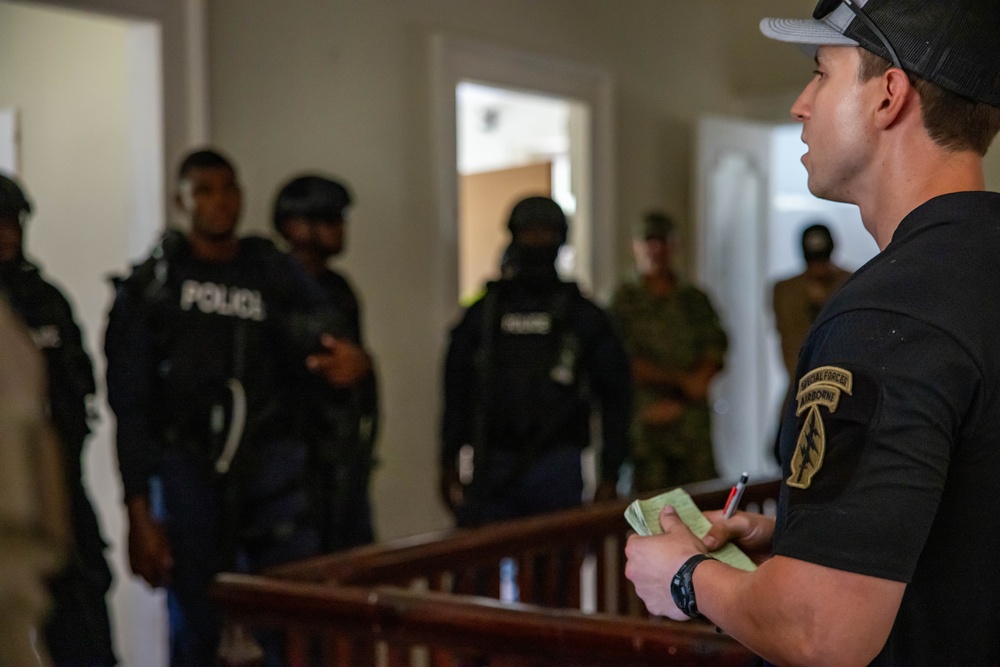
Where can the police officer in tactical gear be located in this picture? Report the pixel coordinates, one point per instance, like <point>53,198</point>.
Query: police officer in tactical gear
<point>527,366</point>
<point>339,422</point>
<point>207,343</point>
<point>77,631</point>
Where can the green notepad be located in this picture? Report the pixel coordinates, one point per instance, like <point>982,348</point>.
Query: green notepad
<point>644,517</point>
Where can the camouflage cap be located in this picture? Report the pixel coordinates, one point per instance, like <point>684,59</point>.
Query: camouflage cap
<point>656,224</point>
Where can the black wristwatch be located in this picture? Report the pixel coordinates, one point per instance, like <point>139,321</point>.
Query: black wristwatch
<point>682,588</point>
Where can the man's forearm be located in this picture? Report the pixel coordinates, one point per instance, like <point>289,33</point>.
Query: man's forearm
<point>691,384</point>
<point>836,623</point>
<point>647,374</point>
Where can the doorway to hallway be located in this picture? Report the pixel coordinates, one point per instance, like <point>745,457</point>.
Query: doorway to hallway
<point>752,205</point>
<point>512,145</point>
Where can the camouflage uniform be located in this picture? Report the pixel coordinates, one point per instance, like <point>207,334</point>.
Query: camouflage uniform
<point>675,333</point>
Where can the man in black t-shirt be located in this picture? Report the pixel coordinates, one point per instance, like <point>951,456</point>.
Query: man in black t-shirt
<point>206,342</point>
<point>884,546</point>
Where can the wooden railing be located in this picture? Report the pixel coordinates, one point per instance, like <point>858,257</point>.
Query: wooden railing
<point>435,599</point>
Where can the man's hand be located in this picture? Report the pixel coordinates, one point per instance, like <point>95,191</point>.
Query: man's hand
<point>696,382</point>
<point>653,561</point>
<point>693,384</point>
<point>148,547</point>
<point>451,488</point>
<point>751,532</point>
<point>662,412</point>
<point>342,363</point>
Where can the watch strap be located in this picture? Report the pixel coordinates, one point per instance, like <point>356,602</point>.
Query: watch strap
<point>682,586</point>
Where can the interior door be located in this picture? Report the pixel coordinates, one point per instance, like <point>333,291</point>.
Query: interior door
<point>732,200</point>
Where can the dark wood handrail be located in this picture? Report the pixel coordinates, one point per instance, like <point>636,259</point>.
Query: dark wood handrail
<point>421,554</point>
<point>460,621</point>
<point>407,593</point>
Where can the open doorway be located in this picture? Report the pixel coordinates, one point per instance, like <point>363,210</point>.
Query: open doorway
<point>511,145</point>
<point>753,204</point>
<point>588,92</point>
<point>84,133</point>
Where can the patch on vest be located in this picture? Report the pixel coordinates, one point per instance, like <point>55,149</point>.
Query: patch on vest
<point>821,387</point>
<point>217,299</point>
<point>526,324</point>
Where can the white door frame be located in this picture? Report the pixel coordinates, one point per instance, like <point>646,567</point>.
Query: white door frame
<point>456,59</point>
<point>184,57</point>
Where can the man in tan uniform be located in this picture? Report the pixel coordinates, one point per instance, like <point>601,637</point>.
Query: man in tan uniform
<point>798,300</point>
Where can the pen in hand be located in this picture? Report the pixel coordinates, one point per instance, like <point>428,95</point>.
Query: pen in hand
<point>735,495</point>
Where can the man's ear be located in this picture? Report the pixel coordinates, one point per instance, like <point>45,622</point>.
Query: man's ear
<point>182,185</point>
<point>897,97</point>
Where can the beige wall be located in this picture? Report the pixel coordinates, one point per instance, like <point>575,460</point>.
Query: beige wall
<point>343,87</point>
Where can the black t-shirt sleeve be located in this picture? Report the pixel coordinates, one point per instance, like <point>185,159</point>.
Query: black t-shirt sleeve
<point>880,404</point>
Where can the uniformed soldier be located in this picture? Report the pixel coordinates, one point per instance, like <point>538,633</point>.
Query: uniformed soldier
<point>206,342</point>
<point>77,630</point>
<point>798,299</point>
<point>677,346</point>
<point>527,366</point>
<point>340,421</point>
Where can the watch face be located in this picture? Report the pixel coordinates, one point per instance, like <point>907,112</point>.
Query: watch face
<point>681,592</point>
<point>682,587</point>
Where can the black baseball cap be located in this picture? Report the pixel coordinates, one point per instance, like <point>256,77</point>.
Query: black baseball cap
<point>817,242</point>
<point>952,43</point>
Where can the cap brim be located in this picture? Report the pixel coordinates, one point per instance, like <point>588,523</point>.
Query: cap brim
<point>804,31</point>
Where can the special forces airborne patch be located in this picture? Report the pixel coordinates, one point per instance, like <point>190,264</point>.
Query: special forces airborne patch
<point>821,387</point>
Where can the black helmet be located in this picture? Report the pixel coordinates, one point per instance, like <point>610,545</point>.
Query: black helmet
<point>12,199</point>
<point>311,197</point>
<point>538,212</point>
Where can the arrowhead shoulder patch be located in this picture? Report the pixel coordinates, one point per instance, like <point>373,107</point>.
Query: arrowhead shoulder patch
<point>820,387</point>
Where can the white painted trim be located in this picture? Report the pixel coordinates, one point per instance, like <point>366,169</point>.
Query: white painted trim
<point>10,143</point>
<point>455,59</point>
<point>196,38</point>
<point>145,104</point>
